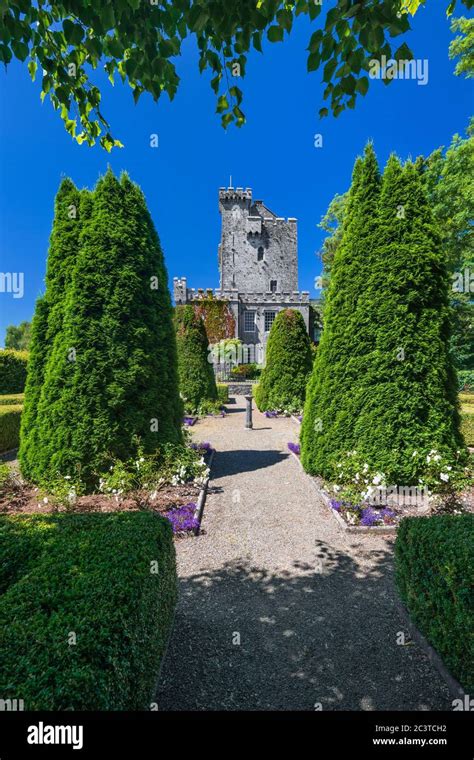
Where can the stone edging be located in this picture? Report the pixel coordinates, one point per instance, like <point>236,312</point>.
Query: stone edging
<point>198,512</point>
<point>378,529</point>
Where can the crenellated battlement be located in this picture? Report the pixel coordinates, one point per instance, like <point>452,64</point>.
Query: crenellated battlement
<point>180,290</point>
<point>235,194</point>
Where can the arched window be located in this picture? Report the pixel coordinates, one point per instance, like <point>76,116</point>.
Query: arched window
<point>260,253</point>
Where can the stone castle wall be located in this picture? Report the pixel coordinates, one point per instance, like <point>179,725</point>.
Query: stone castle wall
<point>248,226</point>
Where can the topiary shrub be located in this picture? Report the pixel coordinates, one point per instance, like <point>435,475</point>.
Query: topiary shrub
<point>49,311</point>
<point>383,382</point>
<point>406,399</point>
<point>434,563</point>
<point>110,382</point>
<point>283,380</point>
<point>110,579</point>
<point>10,419</point>
<point>13,368</point>
<point>328,420</point>
<point>222,393</point>
<point>196,375</point>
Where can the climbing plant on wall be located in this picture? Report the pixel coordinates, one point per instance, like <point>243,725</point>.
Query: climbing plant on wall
<point>218,318</point>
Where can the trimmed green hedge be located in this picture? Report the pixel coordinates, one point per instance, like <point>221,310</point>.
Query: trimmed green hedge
<point>434,560</point>
<point>222,393</point>
<point>10,419</point>
<point>13,370</point>
<point>92,577</point>
<point>10,399</point>
<point>283,381</point>
<point>466,379</point>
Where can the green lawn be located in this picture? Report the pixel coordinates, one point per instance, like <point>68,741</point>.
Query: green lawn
<point>467,411</point>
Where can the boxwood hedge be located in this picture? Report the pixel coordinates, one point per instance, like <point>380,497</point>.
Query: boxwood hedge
<point>10,419</point>
<point>13,370</point>
<point>434,559</point>
<point>86,609</point>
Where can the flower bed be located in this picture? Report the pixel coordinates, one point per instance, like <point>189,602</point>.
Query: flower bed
<point>364,515</point>
<point>189,421</point>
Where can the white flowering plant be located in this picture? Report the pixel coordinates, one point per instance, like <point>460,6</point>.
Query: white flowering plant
<point>353,479</point>
<point>170,464</point>
<point>63,490</point>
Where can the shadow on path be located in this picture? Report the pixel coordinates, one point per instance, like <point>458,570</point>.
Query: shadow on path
<point>244,460</point>
<point>323,633</point>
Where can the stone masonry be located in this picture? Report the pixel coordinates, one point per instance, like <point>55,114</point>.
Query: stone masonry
<point>258,263</point>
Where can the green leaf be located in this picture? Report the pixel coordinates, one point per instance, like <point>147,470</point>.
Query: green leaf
<point>5,54</point>
<point>353,10</point>
<point>285,19</point>
<point>257,41</point>
<point>275,34</point>
<point>222,104</point>
<point>198,18</point>
<point>315,40</point>
<point>313,61</point>
<point>20,49</point>
<point>362,85</point>
<point>450,9</point>
<point>329,70</point>
<point>72,32</point>
<point>32,66</point>
<point>403,53</point>
<point>323,112</point>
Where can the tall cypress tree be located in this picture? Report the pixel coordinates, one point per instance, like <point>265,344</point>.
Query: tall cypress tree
<point>49,310</point>
<point>111,378</point>
<point>329,412</point>
<point>288,364</point>
<point>196,375</point>
<point>407,394</point>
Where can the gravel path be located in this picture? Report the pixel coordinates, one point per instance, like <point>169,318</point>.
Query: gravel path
<point>278,609</point>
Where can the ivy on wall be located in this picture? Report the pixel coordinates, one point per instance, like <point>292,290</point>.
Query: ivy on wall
<point>217,316</point>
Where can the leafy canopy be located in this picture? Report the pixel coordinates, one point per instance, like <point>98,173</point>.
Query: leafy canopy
<point>18,336</point>
<point>138,40</point>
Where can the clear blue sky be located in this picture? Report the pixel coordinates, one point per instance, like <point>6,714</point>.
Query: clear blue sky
<point>273,153</point>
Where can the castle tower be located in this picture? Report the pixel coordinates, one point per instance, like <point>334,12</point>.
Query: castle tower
<point>258,250</point>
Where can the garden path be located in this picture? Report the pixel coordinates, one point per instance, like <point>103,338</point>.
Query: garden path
<point>278,609</point>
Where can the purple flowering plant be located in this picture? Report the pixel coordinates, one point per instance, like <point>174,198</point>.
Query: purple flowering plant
<point>182,519</point>
<point>294,447</point>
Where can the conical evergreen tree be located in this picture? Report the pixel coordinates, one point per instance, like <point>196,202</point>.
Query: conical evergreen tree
<point>328,419</point>
<point>49,311</point>
<point>288,364</point>
<point>196,375</point>
<point>111,378</point>
<point>407,394</point>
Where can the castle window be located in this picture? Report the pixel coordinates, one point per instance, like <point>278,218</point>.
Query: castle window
<point>273,286</point>
<point>260,253</point>
<point>269,318</point>
<point>249,321</point>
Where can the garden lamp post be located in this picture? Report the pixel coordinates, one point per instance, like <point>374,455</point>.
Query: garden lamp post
<point>248,416</point>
